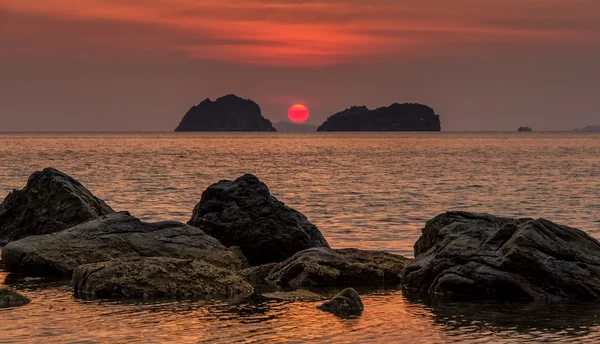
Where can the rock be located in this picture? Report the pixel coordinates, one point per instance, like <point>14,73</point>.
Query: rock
<point>396,117</point>
<point>257,275</point>
<point>324,267</point>
<point>344,304</point>
<point>50,202</point>
<point>228,113</point>
<point>243,213</point>
<point>296,295</point>
<point>157,277</point>
<point>117,235</point>
<point>287,127</point>
<point>10,298</point>
<point>471,255</point>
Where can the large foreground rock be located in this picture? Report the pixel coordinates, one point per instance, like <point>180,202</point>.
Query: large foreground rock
<point>50,202</point>
<point>484,256</point>
<point>325,267</point>
<point>243,213</point>
<point>344,304</point>
<point>10,298</point>
<point>117,235</point>
<point>156,277</point>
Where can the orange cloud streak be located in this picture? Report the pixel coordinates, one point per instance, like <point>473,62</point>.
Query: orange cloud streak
<point>295,33</point>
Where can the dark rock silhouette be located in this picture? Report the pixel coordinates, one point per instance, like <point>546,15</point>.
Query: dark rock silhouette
<point>472,255</point>
<point>396,117</point>
<point>117,235</point>
<point>287,127</point>
<point>228,113</point>
<point>10,298</point>
<point>323,267</point>
<point>157,277</point>
<point>243,213</point>
<point>344,304</point>
<point>589,129</point>
<point>51,201</point>
<point>526,128</point>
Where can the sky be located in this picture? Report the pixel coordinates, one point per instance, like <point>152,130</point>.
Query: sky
<point>139,65</point>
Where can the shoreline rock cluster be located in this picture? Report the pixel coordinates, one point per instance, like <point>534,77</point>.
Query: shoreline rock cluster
<point>240,239</point>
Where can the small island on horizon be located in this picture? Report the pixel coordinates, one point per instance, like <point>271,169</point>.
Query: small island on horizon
<point>589,129</point>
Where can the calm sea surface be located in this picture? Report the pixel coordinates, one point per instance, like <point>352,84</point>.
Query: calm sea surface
<point>365,190</point>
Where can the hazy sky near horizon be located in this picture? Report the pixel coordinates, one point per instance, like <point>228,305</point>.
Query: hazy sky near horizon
<point>132,65</point>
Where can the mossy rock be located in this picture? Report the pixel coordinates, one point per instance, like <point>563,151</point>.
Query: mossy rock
<point>158,277</point>
<point>296,295</point>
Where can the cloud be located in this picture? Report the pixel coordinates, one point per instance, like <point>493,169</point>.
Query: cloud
<point>291,33</point>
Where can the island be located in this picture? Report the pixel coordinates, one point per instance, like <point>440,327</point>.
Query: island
<point>589,129</point>
<point>396,117</point>
<point>228,113</point>
<point>285,126</point>
<point>526,129</point>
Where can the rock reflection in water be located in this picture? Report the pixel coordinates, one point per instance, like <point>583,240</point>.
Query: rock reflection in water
<point>560,322</point>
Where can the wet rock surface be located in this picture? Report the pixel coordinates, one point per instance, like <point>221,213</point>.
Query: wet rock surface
<point>325,267</point>
<point>157,277</point>
<point>117,235</point>
<point>10,298</point>
<point>243,213</point>
<point>346,303</point>
<point>472,255</point>
<point>50,202</point>
<point>295,295</point>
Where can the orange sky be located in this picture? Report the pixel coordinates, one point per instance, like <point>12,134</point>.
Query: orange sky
<point>111,55</point>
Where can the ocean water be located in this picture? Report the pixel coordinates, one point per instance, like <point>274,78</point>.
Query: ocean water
<point>365,190</point>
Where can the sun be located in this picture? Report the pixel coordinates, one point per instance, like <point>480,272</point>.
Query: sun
<point>298,113</point>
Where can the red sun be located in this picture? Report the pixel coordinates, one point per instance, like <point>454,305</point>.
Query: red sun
<point>298,113</point>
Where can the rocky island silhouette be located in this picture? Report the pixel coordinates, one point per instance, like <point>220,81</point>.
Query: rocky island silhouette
<point>228,113</point>
<point>396,117</point>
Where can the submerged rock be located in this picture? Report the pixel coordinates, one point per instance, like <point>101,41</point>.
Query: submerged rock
<point>157,277</point>
<point>50,202</point>
<point>325,267</point>
<point>228,113</point>
<point>117,235</point>
<point>295,295</point>
<point>472,255</point>
<point>396,117</point>
<point>243,213</point>
<point>10,298</point>
<point>344,304</point>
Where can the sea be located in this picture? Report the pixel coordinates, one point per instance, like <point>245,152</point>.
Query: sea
<point>365,190</point>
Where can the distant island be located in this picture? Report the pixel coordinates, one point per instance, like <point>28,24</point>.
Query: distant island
<point>396,117</point>
<point>589,129</point>
<point>526,128</point>
<point>285,126</point>
<point>228,113</point>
